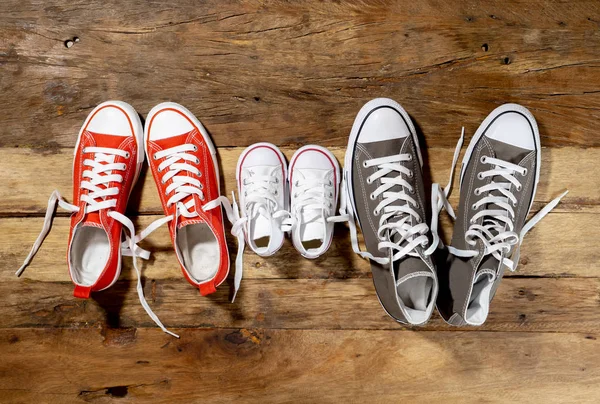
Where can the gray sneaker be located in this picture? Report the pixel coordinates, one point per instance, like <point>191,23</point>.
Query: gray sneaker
<point>383,189</point>
<point>499,176</point>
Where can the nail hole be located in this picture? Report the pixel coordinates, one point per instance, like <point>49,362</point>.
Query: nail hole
<point>257,99</point>
<point>69,43</point>
<point>485,47</point>
<point>76,39</point>
<point>506,60</point>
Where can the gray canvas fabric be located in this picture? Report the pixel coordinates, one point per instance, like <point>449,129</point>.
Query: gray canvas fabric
<point>385,277</point>
<point>459,277</point>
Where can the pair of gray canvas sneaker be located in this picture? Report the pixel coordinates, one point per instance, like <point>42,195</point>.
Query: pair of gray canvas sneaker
<point>383,190</point>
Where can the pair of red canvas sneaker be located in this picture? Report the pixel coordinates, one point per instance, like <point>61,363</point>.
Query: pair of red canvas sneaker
<point>107,161</point>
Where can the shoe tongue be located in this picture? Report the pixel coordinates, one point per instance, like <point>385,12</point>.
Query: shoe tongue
<point>409,265</point>
<point>508,152</point>
<point>186,221</point>
<point>91,220</point>
<point>488,263</point>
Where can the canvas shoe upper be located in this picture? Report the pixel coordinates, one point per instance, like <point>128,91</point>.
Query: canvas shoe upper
<point>383,189</point>
<point>107,161</point>
<point>499,176</point>
<point>314,179</point>
<point>183,162</point>
<point>261,176</point>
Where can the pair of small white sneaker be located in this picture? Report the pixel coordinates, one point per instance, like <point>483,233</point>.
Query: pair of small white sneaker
<point>275,200</point>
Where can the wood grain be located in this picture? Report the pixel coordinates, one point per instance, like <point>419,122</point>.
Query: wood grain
<point>299,72</point>
<point>521,304</point>
<point>291,366</point>
<point>295,73</point>
<point>35,175</point>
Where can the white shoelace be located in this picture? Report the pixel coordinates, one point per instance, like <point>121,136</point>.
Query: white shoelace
<point>98,198</point>
<point>183,187</point>
<point>496,230</point>
<point>260,199</point>
<point>389,171</point>
<point>312,204</point>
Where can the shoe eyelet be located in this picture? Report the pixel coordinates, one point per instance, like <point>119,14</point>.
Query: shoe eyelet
<point>276,193</point>
<point>159,169</point>
<point>410,157</point>
<point>127,155</point>
<point>477,192</point>
<point>369,181</point>
<point>524,173</point>
<point>472,221</point>
<point>372,196</point>
<point>376,212</point>
<point>365,164</point>
<point>331,194</point>
<point>474,207</point>
<point>276,180</point>
<point>480,176</point>
<point>514,204</point>
<point>162,181</point>
<point>519,187</point>
<point>417,206</point>
<point>83,150</point>
<point>483,159</point>
<point>297,183</point>
<point>197,160</point>
<point>412,191</point>
<point>330,183</point>
<point>195,148</point>
<point>155,158</point>
<point>410,174</point>
<point>419,220</point>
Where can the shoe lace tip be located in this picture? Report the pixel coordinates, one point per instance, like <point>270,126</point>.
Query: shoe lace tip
<point>171,333</point>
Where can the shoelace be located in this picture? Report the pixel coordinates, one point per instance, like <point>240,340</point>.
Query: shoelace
<point>496,230</point>
<point>98,198</point>
<point>260,200</point>
<point>312,196</point>
<point>183,187</point>
<point>389,172</point>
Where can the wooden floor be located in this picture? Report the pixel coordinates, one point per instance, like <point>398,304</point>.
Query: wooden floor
<point>293,73</point>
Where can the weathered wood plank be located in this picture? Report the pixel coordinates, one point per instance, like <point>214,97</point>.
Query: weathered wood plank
<point>29,178</point>
<point>522,304</point>
<point>298,72</point>
<point>291,366</point>
<point>561,245</point>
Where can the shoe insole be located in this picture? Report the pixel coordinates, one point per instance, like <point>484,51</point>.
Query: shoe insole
<point>199,250</point>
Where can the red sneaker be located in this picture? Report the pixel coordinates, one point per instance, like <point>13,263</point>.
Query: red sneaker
<point>108,159</point>
<point>183,162</point>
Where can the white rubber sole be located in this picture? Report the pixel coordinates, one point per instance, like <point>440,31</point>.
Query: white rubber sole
<point>487,122</point>
<point>138,132</point>
<point>211,147</point>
